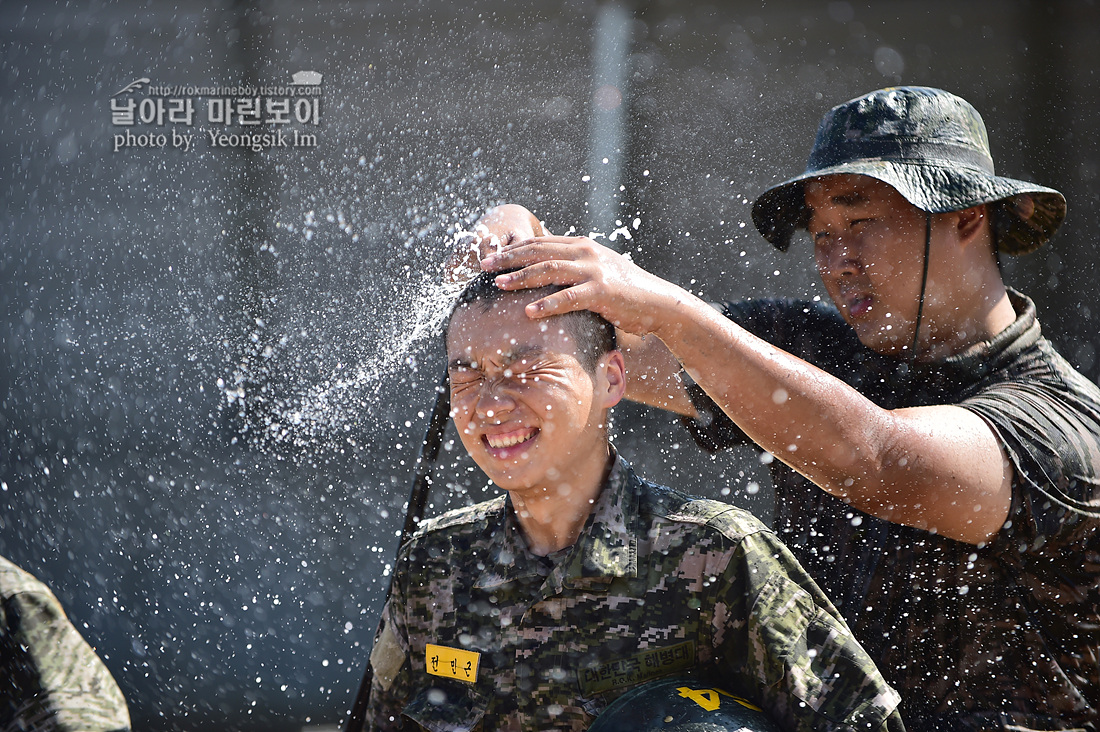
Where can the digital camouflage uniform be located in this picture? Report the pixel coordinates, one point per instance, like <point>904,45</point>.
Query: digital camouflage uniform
<point>658,583</point>
<point>50,678</point>
<point>1004,636</point>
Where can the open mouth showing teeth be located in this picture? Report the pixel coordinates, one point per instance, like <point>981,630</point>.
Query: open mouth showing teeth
<point>510,439</point>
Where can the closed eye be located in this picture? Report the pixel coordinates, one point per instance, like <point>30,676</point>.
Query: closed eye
<point>463,375</point>
<point>523,370</point>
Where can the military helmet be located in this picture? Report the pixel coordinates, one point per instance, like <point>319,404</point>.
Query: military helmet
<point>681,704</point>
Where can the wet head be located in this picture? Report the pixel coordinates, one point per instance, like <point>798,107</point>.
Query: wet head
<point>530,397</point>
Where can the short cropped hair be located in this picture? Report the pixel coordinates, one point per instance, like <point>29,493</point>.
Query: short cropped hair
<point>593,335</point>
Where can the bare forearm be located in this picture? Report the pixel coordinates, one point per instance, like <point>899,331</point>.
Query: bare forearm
<point>652,374</point>
<point>804,416</point>
<point>935,468</point>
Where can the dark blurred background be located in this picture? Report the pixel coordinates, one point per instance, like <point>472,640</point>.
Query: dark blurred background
<point>219,362</point>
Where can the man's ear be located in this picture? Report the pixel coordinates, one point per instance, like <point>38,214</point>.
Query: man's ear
<point>972,224</point>
<point>611,378</point>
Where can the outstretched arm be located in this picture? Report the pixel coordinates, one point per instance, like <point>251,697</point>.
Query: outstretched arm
<point>937,468</point>
<point>653,374</point>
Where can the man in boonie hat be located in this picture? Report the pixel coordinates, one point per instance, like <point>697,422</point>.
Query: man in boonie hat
<point>932,148</point>
<point>937,462</point>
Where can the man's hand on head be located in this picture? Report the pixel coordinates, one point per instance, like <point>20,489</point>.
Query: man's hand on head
<point>599,279</point>
<point>596,278</point>
<point>499,227</point>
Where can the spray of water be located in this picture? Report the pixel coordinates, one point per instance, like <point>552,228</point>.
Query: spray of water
<point>310,386</point>
<point>275,389</point>
<point>322,407</point>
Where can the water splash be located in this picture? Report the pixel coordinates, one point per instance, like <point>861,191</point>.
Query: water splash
<point>275,389</point>
<point>333,405</point>
<point>326,379</point>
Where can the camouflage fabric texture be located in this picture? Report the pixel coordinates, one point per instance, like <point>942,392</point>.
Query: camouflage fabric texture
<point>931,147</point>
<point>50,678</point>
<point>479,634</point>
<point>975,638</point>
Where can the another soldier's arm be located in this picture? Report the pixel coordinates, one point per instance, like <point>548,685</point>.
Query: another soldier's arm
<point>812,674</point>
<point>653,375</point>
<point>390,667</point>
<point>54,681</point>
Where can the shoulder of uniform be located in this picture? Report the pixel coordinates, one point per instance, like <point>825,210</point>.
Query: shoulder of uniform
<point>733,522</point>
<point>17,581</point>
<point>471,516</point>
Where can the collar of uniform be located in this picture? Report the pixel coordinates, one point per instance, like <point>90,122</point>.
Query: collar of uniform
<point>931,381</point>
<point>509,558</point>
<point>606,548</point>
<point>980,359</point>
<point>608,545</point>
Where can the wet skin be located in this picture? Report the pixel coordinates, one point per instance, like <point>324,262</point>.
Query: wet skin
<point>938,468</point>
<point>869,250</point>
<point>529,413</point>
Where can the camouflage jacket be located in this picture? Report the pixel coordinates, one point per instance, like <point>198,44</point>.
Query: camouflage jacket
<point>1002,636</point>
<point>50,678</point>
<point>481,634</point>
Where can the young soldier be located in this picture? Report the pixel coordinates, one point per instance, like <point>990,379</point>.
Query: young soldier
<point>939,463</point>
<point>534,610</point>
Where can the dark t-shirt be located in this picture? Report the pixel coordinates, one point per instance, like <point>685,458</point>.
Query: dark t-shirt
<point>974,637</point>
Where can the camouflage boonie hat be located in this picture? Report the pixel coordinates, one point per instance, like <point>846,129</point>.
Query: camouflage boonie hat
<point>929,145</point>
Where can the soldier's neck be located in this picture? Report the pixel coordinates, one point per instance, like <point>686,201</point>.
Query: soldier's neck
<point>553,516</point>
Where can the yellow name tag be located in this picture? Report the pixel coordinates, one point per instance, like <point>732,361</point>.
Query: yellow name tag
<point>451,663</point>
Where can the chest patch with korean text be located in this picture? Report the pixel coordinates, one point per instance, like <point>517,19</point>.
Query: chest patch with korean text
<point>451,663</point>
<point>642,666</point>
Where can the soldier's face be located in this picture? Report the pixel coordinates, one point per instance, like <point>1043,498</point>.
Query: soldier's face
<point>528,412</point>
<point>869,249</point>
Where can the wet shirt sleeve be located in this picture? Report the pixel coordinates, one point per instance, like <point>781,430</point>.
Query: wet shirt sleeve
<point>390,663</point>
<point>811,671</point>
<point>1050,430</point>
<point>811,331</point>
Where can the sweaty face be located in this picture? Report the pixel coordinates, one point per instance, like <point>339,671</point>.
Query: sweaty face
<point>527,411</point>
<point>869,250</point>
